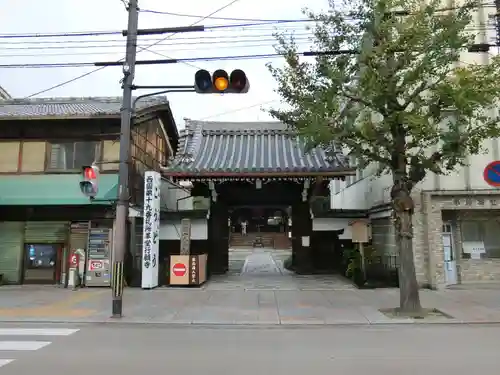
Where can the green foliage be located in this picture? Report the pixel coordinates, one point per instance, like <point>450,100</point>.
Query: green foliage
<point>403,93</point>
<point>352,257</point>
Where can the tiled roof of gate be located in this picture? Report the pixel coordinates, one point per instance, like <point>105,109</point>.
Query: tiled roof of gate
<point>70,108</point>
<point>224,148</point>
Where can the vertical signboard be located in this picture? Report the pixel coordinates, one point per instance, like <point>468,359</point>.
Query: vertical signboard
<point>151,229</point>
<point>185,237</point>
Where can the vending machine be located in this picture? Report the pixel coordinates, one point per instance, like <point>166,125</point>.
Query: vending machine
<point>98,272</point>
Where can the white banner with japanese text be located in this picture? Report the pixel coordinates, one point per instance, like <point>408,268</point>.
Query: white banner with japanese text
<point>151,230</point>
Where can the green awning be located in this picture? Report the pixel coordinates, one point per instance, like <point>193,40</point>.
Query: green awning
<point>53,189</point>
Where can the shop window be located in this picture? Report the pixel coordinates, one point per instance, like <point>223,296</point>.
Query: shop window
<point>486,232</point>
<point>10,156</point>
<point>40,263</point>
<point>72,155</point>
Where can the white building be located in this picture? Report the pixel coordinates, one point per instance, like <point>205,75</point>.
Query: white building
<point>457,216</point>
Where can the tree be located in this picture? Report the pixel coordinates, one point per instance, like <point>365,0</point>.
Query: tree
<point>390,87</point>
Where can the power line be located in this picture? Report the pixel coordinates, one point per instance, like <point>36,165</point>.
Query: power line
<point>175,61</point>
<point>140,50</point>
<point>254,22</point>
<point>174,48</point>
<point>194,41</point>
<point>104,33</point>
<point>160,40</point>
<point>260,19</point>
<point>210,40</point>
<point>59,35</point>
<point>231,29</point>
<point>236,110</point>
<point>62,43</point>
<point>181,60</point>
<point>221,18</point>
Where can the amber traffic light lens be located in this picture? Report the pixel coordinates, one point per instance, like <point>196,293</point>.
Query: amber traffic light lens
<point>221,84</point>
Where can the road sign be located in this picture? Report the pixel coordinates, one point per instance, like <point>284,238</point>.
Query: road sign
<point>491,173</point>
<point>179,269</point>
<point>74,259</point>
<point>95,265</point>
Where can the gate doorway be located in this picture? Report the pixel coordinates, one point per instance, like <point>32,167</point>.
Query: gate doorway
<point>259,240</point>
<point>259,165</point>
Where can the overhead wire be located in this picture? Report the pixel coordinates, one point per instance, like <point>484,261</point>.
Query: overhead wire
<point>217,18</point>
<point>105,33</point>
<point>90,50</point>
<point>140,50</point>
<point>251,22</point>
<point>201,39</point>
<point>203,36</point>
<point>240,109</point>
<point>168,61</point>
<point>147,48</point>
<point>223,32</point>
<point>176,47</point>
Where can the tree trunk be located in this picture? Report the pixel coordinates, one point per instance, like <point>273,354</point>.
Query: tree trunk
<point>408,286</point>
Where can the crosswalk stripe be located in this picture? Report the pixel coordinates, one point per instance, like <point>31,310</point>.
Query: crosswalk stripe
<point>37,331</point>
<point>22,345</point>
<point>4,362</point>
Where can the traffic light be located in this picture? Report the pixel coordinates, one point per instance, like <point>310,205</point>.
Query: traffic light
<point>89,185</point>
<point>220,82</point>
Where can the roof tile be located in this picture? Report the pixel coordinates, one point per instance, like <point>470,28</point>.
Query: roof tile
<point>69,107</point>
<point>214,147</point>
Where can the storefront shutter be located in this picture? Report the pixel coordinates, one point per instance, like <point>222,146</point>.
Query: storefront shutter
<point>11,250</point>
<point>46,232</point>
<point>79,235</point>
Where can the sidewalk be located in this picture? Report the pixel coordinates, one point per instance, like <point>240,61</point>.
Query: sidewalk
<point>224,305</point>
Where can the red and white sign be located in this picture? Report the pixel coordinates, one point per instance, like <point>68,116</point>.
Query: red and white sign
<point>95,265</point>
<point>74,260</point>
<point>179,269</point>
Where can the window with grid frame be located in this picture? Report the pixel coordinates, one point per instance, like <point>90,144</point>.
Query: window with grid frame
<point>68,156</point>
<point>487,231</point>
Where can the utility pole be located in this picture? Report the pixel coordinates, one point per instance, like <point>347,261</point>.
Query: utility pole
<point>122,206</point>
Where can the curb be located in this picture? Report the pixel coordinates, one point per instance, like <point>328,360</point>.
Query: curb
<point>244,325</point>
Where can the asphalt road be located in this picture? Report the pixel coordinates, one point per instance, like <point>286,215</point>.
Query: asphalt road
<point>156,349</point>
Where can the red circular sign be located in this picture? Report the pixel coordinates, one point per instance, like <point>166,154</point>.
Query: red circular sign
<point>95,265</point>
<point>179,269</point>
<point>74,260</point>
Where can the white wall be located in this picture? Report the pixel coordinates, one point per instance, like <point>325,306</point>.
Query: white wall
<point>326,224</point>
<point>372,191</point>
<point>171,195</point>
<point>171,229</point>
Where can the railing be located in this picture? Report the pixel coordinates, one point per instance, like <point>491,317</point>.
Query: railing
<point>383,268</point>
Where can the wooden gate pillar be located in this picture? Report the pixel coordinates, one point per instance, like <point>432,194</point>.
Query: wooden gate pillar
<point>301,237</point>
<point>218,238</point>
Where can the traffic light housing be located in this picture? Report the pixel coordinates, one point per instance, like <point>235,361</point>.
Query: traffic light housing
<point>89,185</point>
<point>220,82</point>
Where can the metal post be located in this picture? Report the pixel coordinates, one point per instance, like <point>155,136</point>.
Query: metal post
<point>120,244</point>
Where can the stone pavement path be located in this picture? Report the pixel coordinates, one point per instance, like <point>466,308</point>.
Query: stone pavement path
<point>262,269</point>
<point>261,262</point>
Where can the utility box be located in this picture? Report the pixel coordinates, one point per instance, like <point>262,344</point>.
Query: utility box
<point>188,269</point>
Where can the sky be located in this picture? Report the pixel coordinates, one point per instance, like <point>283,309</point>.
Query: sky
<point>66,16</point>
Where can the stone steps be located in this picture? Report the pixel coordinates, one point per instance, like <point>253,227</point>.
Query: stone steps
<point>272,240</point>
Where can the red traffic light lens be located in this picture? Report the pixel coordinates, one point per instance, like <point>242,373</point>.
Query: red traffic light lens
<point>238,80</point>
<point>90,174</point>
